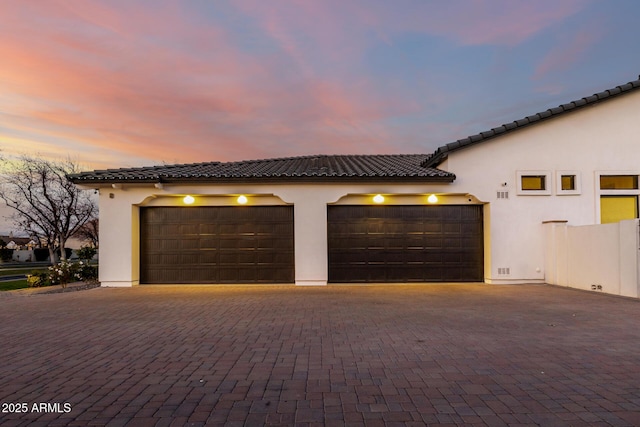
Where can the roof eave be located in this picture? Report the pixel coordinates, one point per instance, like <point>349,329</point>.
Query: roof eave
<point>269,180</point>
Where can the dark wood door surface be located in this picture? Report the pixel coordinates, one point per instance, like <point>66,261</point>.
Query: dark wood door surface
<point>405,243</point>
<point>226,244</point>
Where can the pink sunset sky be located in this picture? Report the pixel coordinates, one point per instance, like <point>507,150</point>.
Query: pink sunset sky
<point>133,83</point>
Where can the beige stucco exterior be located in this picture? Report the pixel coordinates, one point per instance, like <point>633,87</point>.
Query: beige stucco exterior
<point>119,215</point>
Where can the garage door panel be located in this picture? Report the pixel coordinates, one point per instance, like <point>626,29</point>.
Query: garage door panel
<point>452,243</point>
<point>347,257</point>
<point>348,244</point>
<point>431,228</point>
<point>409,241</point>
<point>266,258</point>
<point>452,228</point>
<point>216,244</point>
<point>408,214</point>
<point>432,257</point>
<point>433,242</point>
<point>208,229</point>
<point>471,229</point>
<point>410,256</point>
<point>208,242</point>
<point>208,257</point>
<point>413,273</point>
<point>188,229</point>
<point>405,243</point>
<point>186,244</point>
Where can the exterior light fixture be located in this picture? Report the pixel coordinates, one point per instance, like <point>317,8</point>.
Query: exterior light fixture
<point>188,200</point>
<point>242,200</point>
<point>432,199</point>
<point>378,198</point>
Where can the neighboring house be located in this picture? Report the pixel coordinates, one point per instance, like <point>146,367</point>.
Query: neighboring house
<point>472,211</point>
<point>13,242</point>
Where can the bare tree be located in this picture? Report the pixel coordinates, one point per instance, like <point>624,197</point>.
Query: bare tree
<point>89,232</point>
<point>45,202</point>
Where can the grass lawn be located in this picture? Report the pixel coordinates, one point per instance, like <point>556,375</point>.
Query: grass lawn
<point>13,284</point>
<point>19,283</point>
<point>14,271</point>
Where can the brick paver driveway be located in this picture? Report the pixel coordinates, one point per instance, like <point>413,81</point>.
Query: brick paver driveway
<point>359,355</point>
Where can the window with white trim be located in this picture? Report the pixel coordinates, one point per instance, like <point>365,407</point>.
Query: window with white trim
<point>619,193</point>
<point>568,183</point>
<point>534,183</point>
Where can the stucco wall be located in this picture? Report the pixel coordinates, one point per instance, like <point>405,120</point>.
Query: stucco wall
<point>603,138</point>
<point>602,258</point>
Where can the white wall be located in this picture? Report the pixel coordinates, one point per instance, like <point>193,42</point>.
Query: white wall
<point>604,256</point>
<point>600,138</point>
<point>23,255</point>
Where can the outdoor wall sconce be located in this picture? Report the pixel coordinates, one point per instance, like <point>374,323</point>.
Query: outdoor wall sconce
<point>432,199</point>
<point>242,199</point>
<point>188,200</point>
<point>379,198</point>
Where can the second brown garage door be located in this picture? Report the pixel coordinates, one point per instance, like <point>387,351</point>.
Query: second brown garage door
<point>405,243</point>
<point>227,244</point>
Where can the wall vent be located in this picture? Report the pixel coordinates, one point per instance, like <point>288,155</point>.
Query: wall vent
<point>504,270</point>
<point>503,194</point>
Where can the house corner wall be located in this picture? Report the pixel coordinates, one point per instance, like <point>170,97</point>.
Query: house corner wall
<point>118,240</point>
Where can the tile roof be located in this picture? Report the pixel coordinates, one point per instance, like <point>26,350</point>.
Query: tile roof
<point>331,168</point>
<point>441,153</point>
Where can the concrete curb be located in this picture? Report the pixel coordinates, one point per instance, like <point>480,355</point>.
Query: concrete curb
<point>71,287</point>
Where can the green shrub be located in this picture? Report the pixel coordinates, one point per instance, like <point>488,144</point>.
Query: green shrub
<point>37,279</point>
<point>86,271</point>
<point>86,252</point>
<point>62,273</point>
<point>66,272</point>
<point>6,254</point>
<point>41,254</point>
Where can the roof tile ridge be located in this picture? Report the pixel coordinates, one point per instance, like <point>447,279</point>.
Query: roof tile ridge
<point>275,159</point>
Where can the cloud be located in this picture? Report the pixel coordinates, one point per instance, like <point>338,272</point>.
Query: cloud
<point>566,54</point>
<point>141,99</point>
<point>174,81</point>
<point>187,96</point>
<point>495,22</point>
<point>335,25</point>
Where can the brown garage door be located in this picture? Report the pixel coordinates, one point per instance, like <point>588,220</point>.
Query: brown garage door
<point>405,243</point>
<point>248,244</point>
